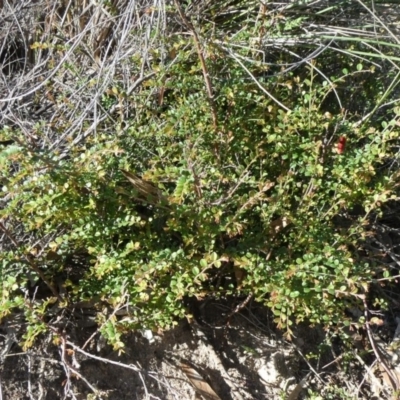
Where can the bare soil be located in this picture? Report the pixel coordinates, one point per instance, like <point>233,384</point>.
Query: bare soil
<point>206,358</point>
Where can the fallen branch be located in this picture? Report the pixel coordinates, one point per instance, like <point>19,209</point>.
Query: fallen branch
<point>393,380</point>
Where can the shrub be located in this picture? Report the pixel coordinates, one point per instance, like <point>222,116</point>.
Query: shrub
<point>187,191</point>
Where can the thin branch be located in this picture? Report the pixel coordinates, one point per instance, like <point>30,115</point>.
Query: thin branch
<point>393,379</point>
<point>116,363</point>
<point>257,82</point>
<point>32,263</point>
<point>200,54</point>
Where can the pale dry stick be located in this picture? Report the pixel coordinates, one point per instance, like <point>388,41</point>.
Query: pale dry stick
<point>382,55</point>
<point>351,387</point>
<point>336,360</point>
<point>318,376</point>
<point>392,86</point>
<point>125,32</point>
<point>200,54</point>
<point>256,325</point>
<point>295,393</point>
<point>116,309</point>
<point>357,56</point>
<point>139,81</point>
<point>247,59</point>
<point>231,192</point>
<point>162,20</point>
<point>223,199</point>
<point>78,121</point>
<point>368,372</point>
<point>16,20</point>
<point>375,17</point>
<point>53,73</point>
<point>41,391</point>
<point>119,56</point>
<point>257,82</point>
<point>292,66</point>
<point>50,20</point>
<point>167,384</point>
<point>389,251</point>
<point>390,278</point>
<point>67,382</point>
<point>143,382</point>
<point>65,13</point>
<point>255,199</point>
<point>393,380</point>
<point>131,367</point>
<point>306,60</point>
<point>238,308</point>
<point>118,27</point>
<point>29,377</point>
<point>43,243</point>
<point>91,106</point>
<point>94,125</point>
<point>136,84</point>
<point>347,31</point>
<point>24,353</point>
<point>274,42</point>
<point>69,368</point>
<point>241,180</point>
<point>146,46</point>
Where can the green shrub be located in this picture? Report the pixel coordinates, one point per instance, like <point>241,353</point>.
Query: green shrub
<point>171,204</point>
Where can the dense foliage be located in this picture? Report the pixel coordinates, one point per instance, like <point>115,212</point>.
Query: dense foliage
<point>219,174</point>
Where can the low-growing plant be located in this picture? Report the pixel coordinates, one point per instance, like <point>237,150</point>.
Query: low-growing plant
<point>235,192</point>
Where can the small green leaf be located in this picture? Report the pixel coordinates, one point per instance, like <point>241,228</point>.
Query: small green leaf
<point>195,270</point>
<point>217,264</point>
<point>386,274</point>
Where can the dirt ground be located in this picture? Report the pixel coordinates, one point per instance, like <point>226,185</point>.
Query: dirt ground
<point>204,359</point>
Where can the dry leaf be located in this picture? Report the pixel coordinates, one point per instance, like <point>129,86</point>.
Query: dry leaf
<point>278,224</point>
<point>295,393</point>
<point>376,321</point>
<point>240,274</point>
<point>144,188</point>
<point>200,385</point>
